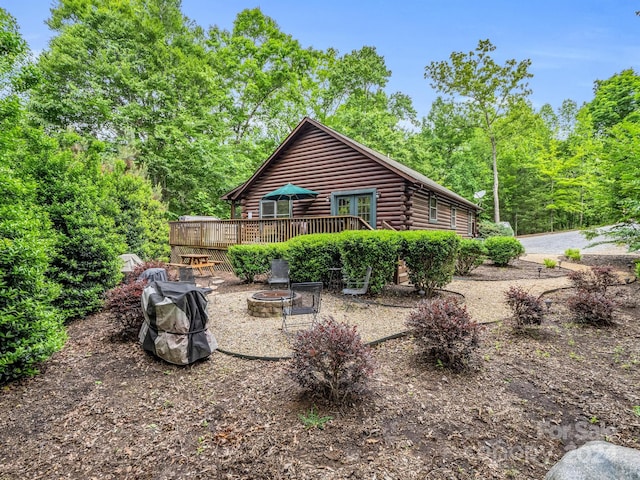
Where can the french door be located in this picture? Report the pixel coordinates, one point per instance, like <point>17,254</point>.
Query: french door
<point>357,204</point>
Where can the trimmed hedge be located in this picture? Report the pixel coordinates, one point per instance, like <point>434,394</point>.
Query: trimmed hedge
<point>502,250</point>
<point>311,256</point>
<point>471,255</point>
<point>378,249</point>
<point>430,257</point>
<point>248,261</point>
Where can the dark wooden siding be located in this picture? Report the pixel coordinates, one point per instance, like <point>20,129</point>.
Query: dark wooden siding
<point>420,214</point>
<point>319,162</point>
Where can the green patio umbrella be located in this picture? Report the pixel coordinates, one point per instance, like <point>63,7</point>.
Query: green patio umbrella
<point>290,192</point>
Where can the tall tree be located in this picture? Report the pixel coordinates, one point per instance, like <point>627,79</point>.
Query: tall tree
<point>487,87</point>
<point>136,73</point>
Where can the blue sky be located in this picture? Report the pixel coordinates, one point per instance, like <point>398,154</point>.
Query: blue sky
<point>571,43</point>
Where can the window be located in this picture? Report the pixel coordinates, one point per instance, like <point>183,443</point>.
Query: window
<point>433,209</point>
<point>275,209</point>
<point>454,213</point>
<point>470,223</point>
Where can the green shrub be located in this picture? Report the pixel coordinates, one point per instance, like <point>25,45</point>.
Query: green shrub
<point>526,309</point>
<point>31,328</point>
<point>248,261</point>
<point>430,257</point>
<point>637,269</point>
<point>311,256</point>
<point>549,263</point>
<point>378,249</point>
<point>471,255</point>
<point>331,361</point>
<point>487,229</point>
<point>446,333</point>
<point>573,254</point>
<point>501,250</point>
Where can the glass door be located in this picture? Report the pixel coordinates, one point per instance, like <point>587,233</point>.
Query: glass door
<point>357,204</point>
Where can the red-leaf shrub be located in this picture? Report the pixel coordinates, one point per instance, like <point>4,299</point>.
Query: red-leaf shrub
<point>597,279</point>
<point>592,304</point>
<point>591,307</point>
<point>446,332</point>
<point>330,360</point>
<point>135,273</point>
<point>526,308</point>
<point>125,306</point>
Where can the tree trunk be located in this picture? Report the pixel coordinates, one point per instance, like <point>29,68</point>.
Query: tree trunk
<point>496,200</point>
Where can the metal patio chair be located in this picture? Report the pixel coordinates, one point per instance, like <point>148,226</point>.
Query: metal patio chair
<point>303,306</point>
<point>279,273</point>
<point>356,287</point>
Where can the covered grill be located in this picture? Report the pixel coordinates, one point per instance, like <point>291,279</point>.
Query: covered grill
<point>176,322</point>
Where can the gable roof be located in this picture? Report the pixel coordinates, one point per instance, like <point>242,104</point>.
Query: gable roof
<point>418,179</point>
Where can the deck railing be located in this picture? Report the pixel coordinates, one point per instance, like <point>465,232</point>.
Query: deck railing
<point>224,233</point>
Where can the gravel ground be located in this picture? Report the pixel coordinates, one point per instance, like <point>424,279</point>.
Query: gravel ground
<point>238,332</point>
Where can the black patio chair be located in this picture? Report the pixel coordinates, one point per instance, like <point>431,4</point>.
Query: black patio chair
<point>302,307</point>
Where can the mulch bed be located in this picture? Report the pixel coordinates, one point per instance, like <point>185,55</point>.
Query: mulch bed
<point>105,409</point>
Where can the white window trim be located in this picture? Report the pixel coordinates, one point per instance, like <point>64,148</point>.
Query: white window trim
<point>454,214</point>
<point>275,209</point>
<point>432,218</point>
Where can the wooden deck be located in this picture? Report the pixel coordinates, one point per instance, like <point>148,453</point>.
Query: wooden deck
<point>221,234</point>
<point>214,237</point>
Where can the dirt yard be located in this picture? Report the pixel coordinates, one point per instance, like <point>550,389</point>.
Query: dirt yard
<point>107,410</point>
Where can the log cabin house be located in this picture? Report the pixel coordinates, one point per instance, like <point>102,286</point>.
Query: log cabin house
<point>357,188</point>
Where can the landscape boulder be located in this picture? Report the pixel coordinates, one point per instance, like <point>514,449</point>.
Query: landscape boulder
<point>597,460</point>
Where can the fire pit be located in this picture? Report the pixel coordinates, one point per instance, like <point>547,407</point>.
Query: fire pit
<point>268,303</point>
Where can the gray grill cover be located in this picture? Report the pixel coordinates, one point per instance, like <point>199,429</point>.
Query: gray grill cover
<point>175,326</point>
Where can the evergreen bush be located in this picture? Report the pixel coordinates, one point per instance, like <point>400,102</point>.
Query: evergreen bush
<point>501,250</point>
<point>378,249</point>
<point>311,256</point>
<point>430,257</point>
<point>487,229</point>
<point>247,261</point>
<point>471,255</point>
<point>31,328</point>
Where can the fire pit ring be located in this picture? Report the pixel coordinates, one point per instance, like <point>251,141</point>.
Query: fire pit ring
<point>268,303</point>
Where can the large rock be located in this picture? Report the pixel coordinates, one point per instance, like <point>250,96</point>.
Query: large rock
<point>597,461</point>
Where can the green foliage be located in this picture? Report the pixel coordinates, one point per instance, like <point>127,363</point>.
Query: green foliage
<point>311,256</point>
<point>487,229</point>
<point>471,255</point>
<point>549,263</point>
<point>379,249</point>
<point>248,261</point>
<point>501,250</point>
<point>312,419</point>
<point>446,333</point>
<point>331,361</point>
<point>573,254</point>
<point>489,90</point>
<point>31,328</point>
<point>430,257</point>
<point>526,309</point>
<point>140,217</point>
